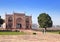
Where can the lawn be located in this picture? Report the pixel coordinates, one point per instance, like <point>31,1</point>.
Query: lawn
<point>54,31</point>
<point>12,33</point>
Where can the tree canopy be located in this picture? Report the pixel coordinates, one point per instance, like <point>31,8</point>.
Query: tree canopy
<point>44,20</point>
<point>1,21</point>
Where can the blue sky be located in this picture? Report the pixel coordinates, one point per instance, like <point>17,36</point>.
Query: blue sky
<point>32,7</point>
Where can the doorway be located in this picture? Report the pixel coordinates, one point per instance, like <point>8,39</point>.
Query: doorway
<point>18,26</point>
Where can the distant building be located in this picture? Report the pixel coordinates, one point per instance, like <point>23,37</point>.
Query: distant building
<point>18,21</point>
<point>35,26</point>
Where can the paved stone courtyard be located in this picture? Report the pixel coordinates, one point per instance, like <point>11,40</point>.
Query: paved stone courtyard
<point>39,37</point>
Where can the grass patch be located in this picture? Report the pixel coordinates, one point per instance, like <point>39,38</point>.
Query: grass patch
<point>12,33</point>
<point>54,31</point>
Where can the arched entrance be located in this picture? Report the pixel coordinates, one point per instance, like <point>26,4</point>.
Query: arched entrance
<point>19,23</point>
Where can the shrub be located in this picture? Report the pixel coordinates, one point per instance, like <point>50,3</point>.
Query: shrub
<point>16,31</point>
<point>59,32</point>
<point>34,33</point>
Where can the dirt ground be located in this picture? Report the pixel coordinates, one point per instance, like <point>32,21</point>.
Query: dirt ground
<point>39,37</point>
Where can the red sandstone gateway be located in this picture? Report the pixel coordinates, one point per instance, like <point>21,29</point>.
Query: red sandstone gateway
<point>18,21</point>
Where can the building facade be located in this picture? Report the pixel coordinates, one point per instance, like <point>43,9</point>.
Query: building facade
<point>18,21</point>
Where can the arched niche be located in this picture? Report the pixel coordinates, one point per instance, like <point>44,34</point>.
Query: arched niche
<point>10,19</point>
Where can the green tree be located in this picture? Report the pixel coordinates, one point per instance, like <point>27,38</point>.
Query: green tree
<point>1,21</point>
<point>44,21</point>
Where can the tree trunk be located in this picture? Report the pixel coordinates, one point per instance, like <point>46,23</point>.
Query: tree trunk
<point>45,29</point>
<point>0,25</point>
